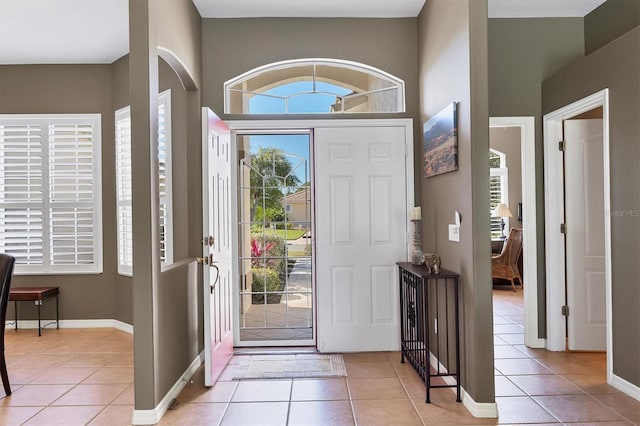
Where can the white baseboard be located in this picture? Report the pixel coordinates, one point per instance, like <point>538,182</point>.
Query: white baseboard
<point>88,323</point>
<point>477,409</point>
<point>627,387</point>
<point>151,417</point>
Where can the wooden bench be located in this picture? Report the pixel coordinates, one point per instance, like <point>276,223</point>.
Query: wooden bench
<point>37,295</point>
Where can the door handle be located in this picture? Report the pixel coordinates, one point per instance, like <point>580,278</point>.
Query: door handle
<point>206,260</point>
<point>215,282</point>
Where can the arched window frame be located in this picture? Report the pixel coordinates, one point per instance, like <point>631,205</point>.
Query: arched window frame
<point>397,84</point>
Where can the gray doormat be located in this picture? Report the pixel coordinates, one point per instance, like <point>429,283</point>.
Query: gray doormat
<point>290,366</point>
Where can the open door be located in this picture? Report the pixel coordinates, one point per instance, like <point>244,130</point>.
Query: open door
<point>585,240</point>
<point>217,255</point>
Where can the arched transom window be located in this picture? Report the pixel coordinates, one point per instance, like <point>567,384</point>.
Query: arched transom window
<point>314,86</point>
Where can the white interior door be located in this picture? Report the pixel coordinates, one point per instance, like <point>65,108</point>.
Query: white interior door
<point>361,231</point>
<point>217,272</point>
<point>585,241</point>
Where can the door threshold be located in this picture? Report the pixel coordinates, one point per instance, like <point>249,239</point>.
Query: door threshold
<point>275,350</point>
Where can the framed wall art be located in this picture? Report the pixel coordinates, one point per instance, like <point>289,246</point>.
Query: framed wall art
<point>441,142</point>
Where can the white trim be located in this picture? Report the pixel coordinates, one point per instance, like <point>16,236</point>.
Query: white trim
<point>529,204</point>
<point>239,126</point>
<point>151,417</point>
<point>86,323</point>
<point>554,202</point>
<point>479,409</point>
<point>627,387</point>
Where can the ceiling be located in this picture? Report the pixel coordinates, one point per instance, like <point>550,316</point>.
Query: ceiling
<point>96,31</point>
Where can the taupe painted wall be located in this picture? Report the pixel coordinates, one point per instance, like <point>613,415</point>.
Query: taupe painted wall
<point>234,46</point>
<point>453,67</point>
<point>507,140</point>
<point>610,20</point>
<point>64,89</point>
<point>615,66</point>
<point>165,304</point>
<point>522,53</point>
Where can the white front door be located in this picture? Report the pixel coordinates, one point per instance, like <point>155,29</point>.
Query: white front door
<point>361,232</point>
<point>585,241</point>
<point>216,201</point>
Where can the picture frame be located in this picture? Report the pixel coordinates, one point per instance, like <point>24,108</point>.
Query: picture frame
<point>440,139</point>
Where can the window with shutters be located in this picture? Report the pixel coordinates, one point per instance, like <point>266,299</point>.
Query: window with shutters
<point>51,193</point>
<point>123,184</point>
<point>498,189</point>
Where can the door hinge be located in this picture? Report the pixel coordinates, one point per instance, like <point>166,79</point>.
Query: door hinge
<point>562,145</point>
<point>563,228</point>
<point>565,311</point>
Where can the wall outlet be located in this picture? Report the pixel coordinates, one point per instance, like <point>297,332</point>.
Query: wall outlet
<point>454,233</point>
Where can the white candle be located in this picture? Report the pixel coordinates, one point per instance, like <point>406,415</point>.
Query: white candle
<point>416,213</point>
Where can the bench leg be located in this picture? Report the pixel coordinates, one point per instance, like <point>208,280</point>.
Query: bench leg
<point>57,314</point>
<point>39,328</point>
<point>15,310</point>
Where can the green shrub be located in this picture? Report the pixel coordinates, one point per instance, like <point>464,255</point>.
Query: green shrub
<point>266,279</point>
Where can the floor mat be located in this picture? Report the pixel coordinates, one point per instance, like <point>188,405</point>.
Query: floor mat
<point>290,366</point>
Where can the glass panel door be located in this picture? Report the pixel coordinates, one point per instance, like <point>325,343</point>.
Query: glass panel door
<point>276,289</point>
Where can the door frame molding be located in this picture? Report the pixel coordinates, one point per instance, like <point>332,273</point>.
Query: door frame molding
<point>291,125</point>
<point>554,216</point>
<point>529,204</point>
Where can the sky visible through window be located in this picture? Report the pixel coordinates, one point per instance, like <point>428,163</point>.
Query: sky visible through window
<point>307,103</point>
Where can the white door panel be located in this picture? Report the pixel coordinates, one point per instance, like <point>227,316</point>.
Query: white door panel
<point>361,231</point>
<point>216,165</point>
<point>585,243</point>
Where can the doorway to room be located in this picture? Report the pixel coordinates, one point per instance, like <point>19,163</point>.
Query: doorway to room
<point>275,293</point>
<point>578,204</point>
<point>522,132</point>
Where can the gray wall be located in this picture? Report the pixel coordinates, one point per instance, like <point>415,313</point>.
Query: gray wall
<point>453,67</point>
<point>522,53</point>
<point>66,89</point>
<point>615,66</point>
<point>166,304</point>
<point>507,140</point>
<point>610,20</point>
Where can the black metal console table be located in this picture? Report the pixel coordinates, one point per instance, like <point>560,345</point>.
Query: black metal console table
<point>430,325</point>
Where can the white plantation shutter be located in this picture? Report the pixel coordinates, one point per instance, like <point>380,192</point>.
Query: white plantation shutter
<point>123,182</point>
<point>21,191</point>
<point>498,189</point>
<point>124,191</point>
<point>50,193</point>
<point>164,177</point>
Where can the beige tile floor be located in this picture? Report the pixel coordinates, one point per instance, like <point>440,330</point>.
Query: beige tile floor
<point>84,376</point>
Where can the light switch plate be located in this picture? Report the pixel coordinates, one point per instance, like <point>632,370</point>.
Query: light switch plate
<point>454,232</point>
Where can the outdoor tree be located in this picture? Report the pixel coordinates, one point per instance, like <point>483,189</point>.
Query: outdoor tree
<point>271,174</point>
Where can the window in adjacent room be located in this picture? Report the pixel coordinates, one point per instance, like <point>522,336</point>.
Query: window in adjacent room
<point>498,188</point>
<point>51,193</point>
<point>327,86</point>
<point>123,184</point>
